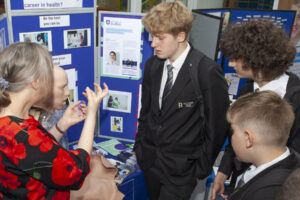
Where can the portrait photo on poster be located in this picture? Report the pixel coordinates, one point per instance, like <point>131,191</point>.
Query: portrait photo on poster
<point>116,124</point>
<point>42,37</point>
<point>113,57</point>
<point>72,84</point>
<point>77,38</point>
<point>2,39</point>
<point>117,101</point>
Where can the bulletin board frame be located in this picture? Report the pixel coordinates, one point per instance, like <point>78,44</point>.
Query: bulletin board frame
<point>4,36</point>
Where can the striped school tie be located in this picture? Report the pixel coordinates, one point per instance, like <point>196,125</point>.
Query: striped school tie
<point>169,83</point>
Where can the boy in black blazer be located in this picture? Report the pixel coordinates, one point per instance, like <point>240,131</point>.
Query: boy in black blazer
<point>261,52</point>
<point>172,146</point>
<point>261,122</point>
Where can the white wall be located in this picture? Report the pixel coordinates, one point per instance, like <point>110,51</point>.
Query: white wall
<point>209,3</point>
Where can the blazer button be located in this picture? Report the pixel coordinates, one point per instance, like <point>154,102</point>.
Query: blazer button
<point>160,126</point>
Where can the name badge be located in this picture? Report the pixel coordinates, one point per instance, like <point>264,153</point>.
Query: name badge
<point>186,104</point>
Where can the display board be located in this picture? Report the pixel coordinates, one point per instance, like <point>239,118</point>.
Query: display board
<point>124,48</point>
<point>205,34</point>
<point>3,32</point>
<point>223,13</point>
<point>68,34</point>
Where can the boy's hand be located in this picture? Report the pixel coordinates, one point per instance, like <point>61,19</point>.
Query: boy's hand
<point>93,98</point>
<point>218,185</point>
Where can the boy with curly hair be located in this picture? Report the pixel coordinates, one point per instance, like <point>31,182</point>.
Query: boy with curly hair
<point>261,52</point>
<point>172,146</point>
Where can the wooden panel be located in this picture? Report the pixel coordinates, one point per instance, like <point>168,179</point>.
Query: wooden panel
<point>284,4</point>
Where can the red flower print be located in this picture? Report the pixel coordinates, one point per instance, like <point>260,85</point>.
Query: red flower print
<point>8,179</point>
<point>36,189</point>
<point>36,135</point>
<point>59,195</point>
<point>8,145</point>
<point>12,149</point>
<point>8,128</point>
<point>65,171</point>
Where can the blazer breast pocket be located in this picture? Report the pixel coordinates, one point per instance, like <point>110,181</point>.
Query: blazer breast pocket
<point>186,104</point>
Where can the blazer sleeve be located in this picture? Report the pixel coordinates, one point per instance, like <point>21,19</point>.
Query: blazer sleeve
<point>294,139</point>
<point>216,102</point>
<point>145,101</point>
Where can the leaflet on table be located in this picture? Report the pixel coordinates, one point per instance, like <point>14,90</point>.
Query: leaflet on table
<point>113,146</point>
<point>123,170</point>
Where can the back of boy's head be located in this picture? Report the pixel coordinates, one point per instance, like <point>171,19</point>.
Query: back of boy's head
<point>168,17</point>
<point>263,47</point>
<point>290,189</point>
<point>266,114</point>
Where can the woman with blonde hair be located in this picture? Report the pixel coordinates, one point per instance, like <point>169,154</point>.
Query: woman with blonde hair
<point>32,163</point>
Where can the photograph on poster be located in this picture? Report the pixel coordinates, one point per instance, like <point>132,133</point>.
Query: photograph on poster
<point>72,80</point>
<point>44,38</point>
<point>116,124</point>
<point>77,38</point>
<point>113,58</point>
<point>117,101</point>
<point>2,39</point>
<point>233,82</point>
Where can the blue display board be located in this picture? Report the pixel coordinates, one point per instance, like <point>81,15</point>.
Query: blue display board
<point>81,56</point>
<point>3,32</point>
<point>125,77</point>
<point>281,18</point>
<point>19,4</point>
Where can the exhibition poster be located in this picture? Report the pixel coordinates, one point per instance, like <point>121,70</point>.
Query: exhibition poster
<point>121,48</point>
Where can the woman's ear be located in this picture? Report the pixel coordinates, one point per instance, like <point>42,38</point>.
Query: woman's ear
<point>36,84</point>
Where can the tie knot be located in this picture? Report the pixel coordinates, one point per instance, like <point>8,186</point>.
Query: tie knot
<point>169,67</point>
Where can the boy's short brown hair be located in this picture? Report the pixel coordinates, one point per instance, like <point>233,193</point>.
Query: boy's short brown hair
<point>168,17</point>
<point>269,116</point>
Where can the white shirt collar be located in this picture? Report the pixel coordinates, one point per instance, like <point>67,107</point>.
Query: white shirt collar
<point>253,171</point>
<point>177,64</point>
<point>277,85</point>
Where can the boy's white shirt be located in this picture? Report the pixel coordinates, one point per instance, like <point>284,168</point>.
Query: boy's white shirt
<point>253,171</point>
<point>277,85</point>
<point>177,64</point>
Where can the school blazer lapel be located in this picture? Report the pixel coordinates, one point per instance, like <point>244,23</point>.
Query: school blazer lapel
<point>157,76</point>
<point>183,78</point>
